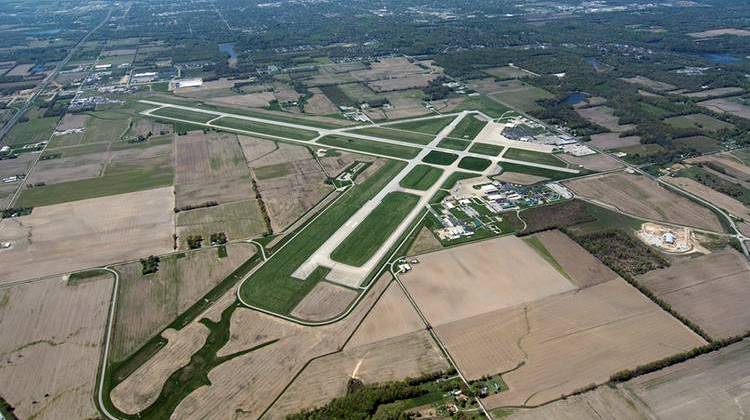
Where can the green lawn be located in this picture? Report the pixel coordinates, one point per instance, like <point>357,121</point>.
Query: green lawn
<point>183,114</point>
<point>453,144</point>
<point>369,146</point>
<point>474,163</point>
<point>263,128</point>
<point>32,131</point>
<point>272,286</point>
<point>440,158</point>
<point>485,104</point>
<point>534,157</point>
<point>468,128</point>
<point>120,178</point>
<point>399,135</point>
<point>542,172</point>
<point>486,149</point>
<point>428,126</point>
<point>422,177</point>
<point>369,235</point>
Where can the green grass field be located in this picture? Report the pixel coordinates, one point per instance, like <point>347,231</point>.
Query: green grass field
<point>485,104</point>
<point>534,157</point>
<point>455,177</point>
<point>523,97</point>
<point>106,126</point>
<point>541,172</point>
<point>120,178</point>
<point>486,149</point>
<point>453,144</point>
<point>390,134</point>
<point>263,128</point>
<point>468,128</point>
<point>703,122</point>
<point>272,287</point>
<point>428,126</point>
<point>440,158</point>
<point>474,163</point>
<point>183,114</point>
<point>369,235</point>
<point>421,178</point>
<point>369,146</point>
<point>32,131</point>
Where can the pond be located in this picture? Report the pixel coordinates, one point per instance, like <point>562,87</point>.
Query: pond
<point>574,98</point>
<point>228,48</point>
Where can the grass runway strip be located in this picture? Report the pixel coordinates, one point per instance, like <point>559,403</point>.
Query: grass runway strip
<point>369,235</point>
<point>399,135</point>
<point>263,128</point>
<point>534,157</point>
<point>370,146</point>
<point>421,177</point>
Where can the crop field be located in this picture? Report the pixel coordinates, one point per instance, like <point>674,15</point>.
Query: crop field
<point>272,287</point>
<point>710,290</point>
<point>391,134</point>
<point>369,146</point>
<point>391,317</point>
<point>486,149</point>
<point>106,126</point>
<point>730,204</point>
<point>148,303</point>
<point>698,121</point>
<point>440,158</point>
<point>582,268</point>
<point>240,219</point>
<point>563,342</point>
<point>425,242</point>
<point>264,128</point>
<point>472,163</point>
<point>732,106</point>
<point>290,189</point>
<point>422,177</point>
<point>609,141</point>
<point>453,144</point>
<point>53,333</point>
<point>325,301</point>
<point>32,131</point>
<point>466,281</point>
<point>426,126</point>
<point>605,117</point>
<point>468,128</point>
<point>709,93</point>
<point>72,122</point>
<point>142,387</point>
<point>393,359</point>
<point>91,233</point>
<point>520,95</point>
<point>534,157</point>
<point>210,167</point>
<point>642,197</point>
<point>369,235</point>
<point>507,72</point>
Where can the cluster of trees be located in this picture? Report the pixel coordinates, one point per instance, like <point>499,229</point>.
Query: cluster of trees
<point>150,264</point>
<point>555,216</point>
<point>362,401</point>
<point>621,252</point>
<point>194,241</point>
<point>15,212</point>
<point>218,238</point>
<point>196,206</point>
<point>436,91</point>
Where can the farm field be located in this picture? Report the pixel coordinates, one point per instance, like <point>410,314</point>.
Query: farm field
<point>422,177</point>
<point>701,144</point>
<point>710,290</point>
<point>32,131</point>
<point>369,146</point>
<point>733,206</point>
<point>365,240</point>
<point>732,106</point>
<point>240,219</point>
<point>87,233</point>
<point>410,355</point>
<point>641,197</point>
<point>210,168</point>
<point>466,281</point>
<point>507,72</point>
<point>582,268</point>
<point>107,126</point>
<point>605,117</point>
<point>325,301</point>
<point>598,162</point>
<point>148,303</point>
<point>698,121</point>
<point>520,95</point>
<point>425,242</point>
<point>567,341</point>
<point>608,141</point>
<point>53,333</point>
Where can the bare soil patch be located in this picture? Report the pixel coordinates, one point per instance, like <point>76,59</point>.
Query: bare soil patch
<point>522,179</point>
<point>142,387</point>
<point>392,316</point>
<point>583,268</point>
<point>723,201</point>
<point>709,290</point>
<point>640,196</point>
<point>415,81</point>
<point>319,104</point>
<point>462,282</point>
<point>72,122</point>
<point>325,301</point>
<point>727,105</point>
<point>719,32</point>
<point>425,242</point>
<point>210,167</point>
<point>393,359</point>
<point>251,100</point>
<point>52,335</point>
<point>609,141</point>
<point>149,303</point>
<point>561,343</point>
<point>17,166</point>
<point>88,233</point>
<point>649,83</point>
<point>709,93</point>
